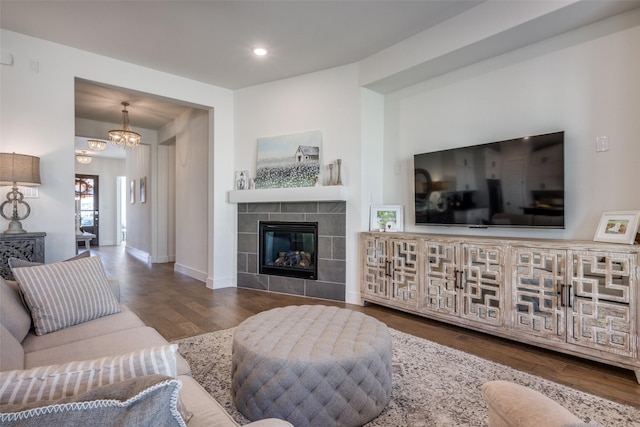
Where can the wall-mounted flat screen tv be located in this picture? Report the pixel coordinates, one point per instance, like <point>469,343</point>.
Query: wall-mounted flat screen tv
<point>513,183</point>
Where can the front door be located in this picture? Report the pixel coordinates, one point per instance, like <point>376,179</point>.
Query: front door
<point>86,189</point>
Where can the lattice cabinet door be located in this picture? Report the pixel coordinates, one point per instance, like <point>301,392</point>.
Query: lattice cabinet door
<point>440,292</point>
<point>482,283</point>
<point>602,305</point>
<point>539,277</point>
<point>26,246</point>
<point>404,272</point>
<point>375,278</point>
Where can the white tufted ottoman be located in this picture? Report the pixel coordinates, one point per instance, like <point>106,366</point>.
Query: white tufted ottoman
<point>311,365</point>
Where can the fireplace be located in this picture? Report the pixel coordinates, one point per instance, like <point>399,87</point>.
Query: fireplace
<point>288,249</point>
<point>330,282</point>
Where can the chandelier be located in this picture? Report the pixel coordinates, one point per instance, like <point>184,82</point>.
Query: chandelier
<point>83,158</point>
<point>124,137</point>
<point>96,144</point>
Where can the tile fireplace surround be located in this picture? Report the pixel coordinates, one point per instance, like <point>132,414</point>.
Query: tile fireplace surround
<point>331,218</point>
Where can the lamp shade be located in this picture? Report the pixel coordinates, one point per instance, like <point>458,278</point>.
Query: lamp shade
<point>19,168</point>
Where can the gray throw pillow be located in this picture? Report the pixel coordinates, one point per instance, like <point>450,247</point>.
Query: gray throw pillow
<point>152,398</point>
<point>13,314</point>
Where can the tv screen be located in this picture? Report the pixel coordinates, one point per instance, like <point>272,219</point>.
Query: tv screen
<point>513,183</point>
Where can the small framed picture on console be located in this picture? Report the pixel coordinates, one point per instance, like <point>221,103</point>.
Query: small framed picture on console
<point>618,227</point>
<point>386,218</point>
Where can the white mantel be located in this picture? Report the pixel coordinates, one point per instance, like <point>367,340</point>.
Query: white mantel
<point>329,193</point>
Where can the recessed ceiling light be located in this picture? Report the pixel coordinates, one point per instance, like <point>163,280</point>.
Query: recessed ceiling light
<point>260,51</point>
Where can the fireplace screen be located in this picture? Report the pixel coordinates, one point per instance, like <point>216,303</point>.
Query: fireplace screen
<point>289,249</point>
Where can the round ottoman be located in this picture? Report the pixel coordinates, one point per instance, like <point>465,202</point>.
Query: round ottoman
<point>311,365</point>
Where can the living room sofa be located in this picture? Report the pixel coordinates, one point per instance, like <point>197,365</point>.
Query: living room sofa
<point>24,349</point>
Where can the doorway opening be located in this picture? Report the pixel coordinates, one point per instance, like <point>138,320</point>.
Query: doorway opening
<point>87,202</point>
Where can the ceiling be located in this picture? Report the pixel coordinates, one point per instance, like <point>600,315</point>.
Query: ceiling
<point>102,103</point>
<point>211,41</point>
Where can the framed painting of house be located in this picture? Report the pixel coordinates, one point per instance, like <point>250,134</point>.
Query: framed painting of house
<point>289,160</point>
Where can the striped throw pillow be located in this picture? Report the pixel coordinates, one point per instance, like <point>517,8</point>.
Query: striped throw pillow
<point>53,382</point>
<point>151,401</point>
<point>66,293</point>
<point>17,262</point>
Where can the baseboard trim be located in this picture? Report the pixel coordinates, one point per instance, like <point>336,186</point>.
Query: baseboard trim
<point>228,282</point>
<point>141,255</point>
<point>353,298</point>
<point>191,272</point>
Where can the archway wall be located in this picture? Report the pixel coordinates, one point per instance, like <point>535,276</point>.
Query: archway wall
<point>37,118</point>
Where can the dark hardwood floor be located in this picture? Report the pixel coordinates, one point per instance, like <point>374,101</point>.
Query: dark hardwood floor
<point>179,306</point>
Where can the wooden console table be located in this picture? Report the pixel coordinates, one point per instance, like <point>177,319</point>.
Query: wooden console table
<point>576,297</point>
<point>27,246</point>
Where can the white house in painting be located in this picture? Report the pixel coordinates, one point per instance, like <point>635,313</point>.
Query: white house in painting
<point>305,153</point>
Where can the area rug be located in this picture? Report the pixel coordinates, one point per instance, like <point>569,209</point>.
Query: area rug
<point>433,385</point>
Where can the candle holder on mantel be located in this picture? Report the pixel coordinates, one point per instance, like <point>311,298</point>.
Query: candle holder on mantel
<point>339,180</point>
<point>330,174</point>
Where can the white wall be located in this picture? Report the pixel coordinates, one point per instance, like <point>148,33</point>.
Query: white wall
<point>108,171</point>
<point>139,237</point>
<point>584,82</point>
<point>165,250</point>
<point>164,227</point>
<point>37,118</point>
<point>328,101</point>
<point>170,211</point>
<point>192,193</point>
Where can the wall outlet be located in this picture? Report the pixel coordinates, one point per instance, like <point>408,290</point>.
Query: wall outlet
<point>602,143</point>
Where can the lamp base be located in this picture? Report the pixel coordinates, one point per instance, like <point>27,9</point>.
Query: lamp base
<point>15,227</point>
<point>15,198</point>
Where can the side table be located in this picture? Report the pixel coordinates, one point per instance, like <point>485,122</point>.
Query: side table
<point>27,246</point>
<point>86,238</point>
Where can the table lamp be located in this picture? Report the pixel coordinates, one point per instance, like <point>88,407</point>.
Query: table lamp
<point>17,169</point>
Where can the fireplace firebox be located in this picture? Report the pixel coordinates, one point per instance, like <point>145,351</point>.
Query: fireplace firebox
<point>288,249</point>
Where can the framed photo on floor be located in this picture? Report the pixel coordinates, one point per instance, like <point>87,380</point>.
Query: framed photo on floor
<point>387,218</point>
<point>618,227</point>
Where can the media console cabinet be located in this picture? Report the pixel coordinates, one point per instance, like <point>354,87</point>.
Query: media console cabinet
<point>576,297</point>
